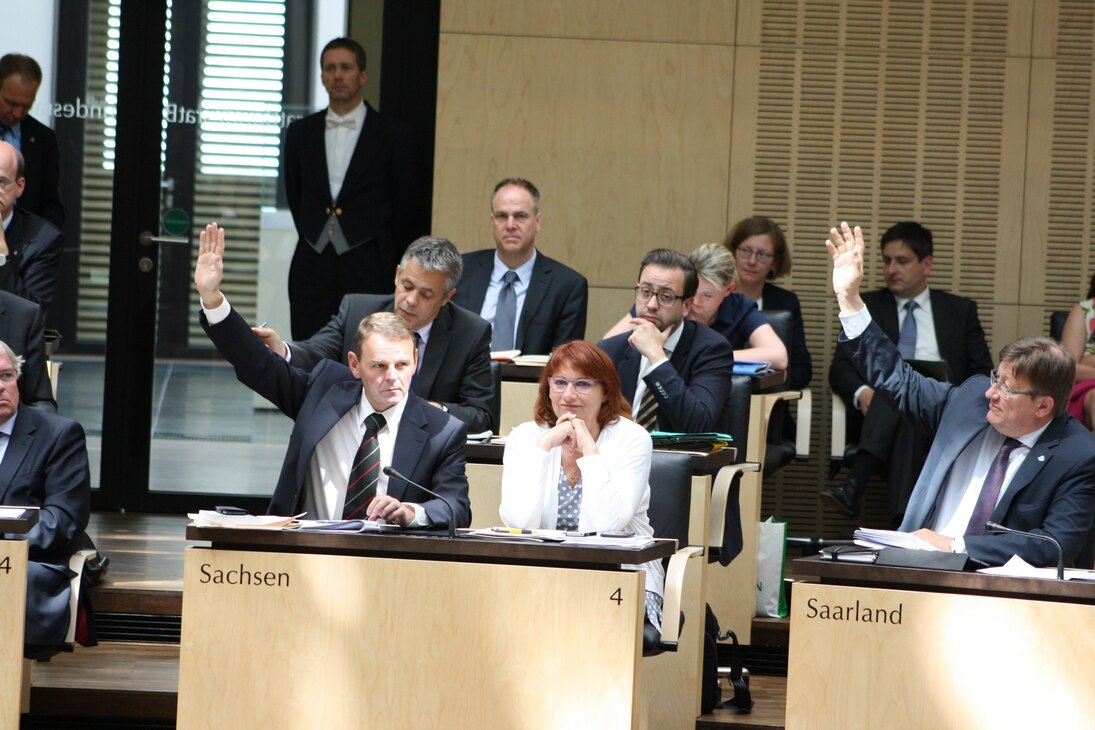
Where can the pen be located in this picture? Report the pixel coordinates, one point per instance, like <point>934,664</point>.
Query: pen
<point>511,530</point>
<point>264,323</point>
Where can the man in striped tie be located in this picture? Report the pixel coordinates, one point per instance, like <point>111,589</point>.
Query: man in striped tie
<point>675,371</point>
<point>351,420</point>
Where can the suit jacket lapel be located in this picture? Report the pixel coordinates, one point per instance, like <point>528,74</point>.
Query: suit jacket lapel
<point>409,444</point>
<point>1040,455</point>
<point>945,332</point>
<point>436,349</point>
<point>359,160</point>
<point>887,315</point>
<point>330,407</point>
<point>19,445</point>
<point>473,284</point>
<point>316,139</point>
<point>628,369</point>
<point>534,296</point>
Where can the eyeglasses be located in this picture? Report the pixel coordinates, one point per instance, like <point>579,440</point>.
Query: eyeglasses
<point>8,376</point>
<point>763,257</point>
<point>1006,392</point>
<point>582,386</point>
<point>665,297</point>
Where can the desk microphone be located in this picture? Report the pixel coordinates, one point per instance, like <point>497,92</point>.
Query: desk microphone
<point>390,472</point>
<point>996,527</point>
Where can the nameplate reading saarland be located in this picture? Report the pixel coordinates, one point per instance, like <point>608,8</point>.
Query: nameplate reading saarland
<point>858,612</point>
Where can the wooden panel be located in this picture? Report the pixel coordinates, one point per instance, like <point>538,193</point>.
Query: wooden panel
<point>13,587</point>
<point>936,660</point>
<point>628,143</point>
<point>606,306</point>
<point>518,400</point>
<point>346,638</point>
<point>696,21</point>
<point>485,493</point>
<point>731,591</point>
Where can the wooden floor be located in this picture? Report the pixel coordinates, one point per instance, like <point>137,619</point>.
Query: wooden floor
<point>139,680</point>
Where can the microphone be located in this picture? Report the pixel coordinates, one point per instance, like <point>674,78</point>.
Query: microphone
<point>390,472</point>
<point>996,527</point>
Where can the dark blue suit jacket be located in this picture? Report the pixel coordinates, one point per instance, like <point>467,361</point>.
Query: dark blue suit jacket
<point>692,389</point>
<point>42,157</point>
<point>1052,493</point>
<point>22,327</point>
<point>429,447</point>
<point>46,466</point>
<point>800,370</point>
<point>455,368</point>
<point>554,311</point>
<point>31,269</point>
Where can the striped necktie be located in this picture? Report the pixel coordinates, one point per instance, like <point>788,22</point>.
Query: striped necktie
<point>361,486</point>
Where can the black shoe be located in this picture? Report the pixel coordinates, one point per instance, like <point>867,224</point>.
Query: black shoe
<point>844,497</point>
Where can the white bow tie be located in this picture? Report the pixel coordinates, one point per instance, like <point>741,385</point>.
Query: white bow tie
<point>333,122</point>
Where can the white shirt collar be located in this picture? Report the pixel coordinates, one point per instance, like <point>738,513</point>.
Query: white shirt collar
<point>922,299</point>
<point>357,114</point>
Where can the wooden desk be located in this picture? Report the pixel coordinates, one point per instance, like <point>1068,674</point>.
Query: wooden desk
<point>940,649</point>
<point>394,631</point>
<point>14,690</point>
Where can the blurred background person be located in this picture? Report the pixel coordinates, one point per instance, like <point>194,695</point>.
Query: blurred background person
<point>1078,338</point>
<point>760,252</point>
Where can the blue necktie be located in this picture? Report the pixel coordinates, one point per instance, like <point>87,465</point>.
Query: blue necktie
<point>906,341</point>
<point>505,314</point>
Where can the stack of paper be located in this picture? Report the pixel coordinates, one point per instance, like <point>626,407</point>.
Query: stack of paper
<point>868,537</point>
<point>210,518</point>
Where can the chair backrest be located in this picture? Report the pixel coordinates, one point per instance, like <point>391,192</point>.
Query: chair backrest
<point>737,412</point>
<point>670,495</point>
<point>496,402</point>
<point>781,322</point>
<point>1057,324</point>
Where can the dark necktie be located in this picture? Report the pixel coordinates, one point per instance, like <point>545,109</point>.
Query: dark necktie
<point>906,341</point>
<point>648,411</point>
<point>361,486</point>
<point>990,489</point>
<point>505,314</point>
<point>418,366</point>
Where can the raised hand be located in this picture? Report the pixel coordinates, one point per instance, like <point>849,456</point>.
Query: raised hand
<point>209,270</point>
<point>846,248</point>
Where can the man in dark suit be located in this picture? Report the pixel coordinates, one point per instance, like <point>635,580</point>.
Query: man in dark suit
<point>1005,449</point>
<point>22,327</point>
<point>941,327</point>
<point>454,362</point>
<point>354,188</point>
<point>43,463</point>
<point>675,372</point>
<point>336,410</point>
<point>30,246</point>
<point>545,303</point>
<point>20,77</point>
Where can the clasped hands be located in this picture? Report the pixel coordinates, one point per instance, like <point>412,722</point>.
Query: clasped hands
<point>572,434</point>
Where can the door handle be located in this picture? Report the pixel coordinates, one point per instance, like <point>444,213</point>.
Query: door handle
<point>147,239</point>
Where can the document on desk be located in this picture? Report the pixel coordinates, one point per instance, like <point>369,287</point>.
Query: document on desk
<point>868,537</point>
<point>13,513</point>
<point>346,526</point>
<point>636,542</point>
<point>1019,568</point>
<point>212,518</point>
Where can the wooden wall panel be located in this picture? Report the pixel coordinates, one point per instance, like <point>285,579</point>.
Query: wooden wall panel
<point>647,123</point>
<point>628,143</point>
<point>694,21</point>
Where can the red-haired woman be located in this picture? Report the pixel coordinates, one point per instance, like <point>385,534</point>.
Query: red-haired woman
<point>582,464</point>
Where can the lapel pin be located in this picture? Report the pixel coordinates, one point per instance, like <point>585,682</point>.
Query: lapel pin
<point>1041,457</point>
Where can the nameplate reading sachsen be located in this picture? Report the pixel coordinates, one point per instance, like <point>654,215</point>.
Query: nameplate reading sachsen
<point>243,577</point>
<point>856,613</point>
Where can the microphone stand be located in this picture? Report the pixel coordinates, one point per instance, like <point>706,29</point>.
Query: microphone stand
<point>998,528</point>
<point>390,472</point>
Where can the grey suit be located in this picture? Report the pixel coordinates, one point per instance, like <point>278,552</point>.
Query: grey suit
<point>455,369</point>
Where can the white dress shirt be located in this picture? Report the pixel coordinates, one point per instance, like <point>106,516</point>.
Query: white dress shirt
<point>340,142</point>
<point>645,368</point>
